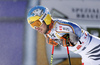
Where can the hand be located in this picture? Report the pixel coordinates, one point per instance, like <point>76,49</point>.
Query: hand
<point>51,41</point>
<point>66,40</point>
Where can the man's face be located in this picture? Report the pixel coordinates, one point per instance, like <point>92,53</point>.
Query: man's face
<point>42,29</point>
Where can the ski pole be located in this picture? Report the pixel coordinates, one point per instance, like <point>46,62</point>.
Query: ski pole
<point>52,55</point>
<point>68,55</point>
<point>68,48</point>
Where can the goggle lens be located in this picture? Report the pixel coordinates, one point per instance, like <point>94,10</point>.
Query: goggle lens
<point>35,24</point>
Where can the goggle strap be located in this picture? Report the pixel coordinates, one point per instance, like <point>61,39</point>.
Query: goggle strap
<point>43,17</point>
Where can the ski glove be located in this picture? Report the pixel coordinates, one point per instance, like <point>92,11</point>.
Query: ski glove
<point>51,41</point>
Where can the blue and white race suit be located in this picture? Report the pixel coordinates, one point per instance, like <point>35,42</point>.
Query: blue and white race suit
<point>89,49</point>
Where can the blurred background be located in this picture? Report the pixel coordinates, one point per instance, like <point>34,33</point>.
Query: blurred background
<point>21,45</point>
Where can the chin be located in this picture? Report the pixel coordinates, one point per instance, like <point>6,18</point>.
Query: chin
<point>41,32</point>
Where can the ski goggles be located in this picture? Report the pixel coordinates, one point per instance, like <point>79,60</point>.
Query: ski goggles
<point>36,23</point>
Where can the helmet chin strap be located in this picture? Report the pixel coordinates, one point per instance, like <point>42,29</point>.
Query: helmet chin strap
<point>46,26</point>
<point>47,29</point>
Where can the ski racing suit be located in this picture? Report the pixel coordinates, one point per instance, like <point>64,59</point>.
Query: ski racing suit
<point>88,46</point>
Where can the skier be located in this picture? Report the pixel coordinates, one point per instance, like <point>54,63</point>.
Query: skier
<point>57,30</point>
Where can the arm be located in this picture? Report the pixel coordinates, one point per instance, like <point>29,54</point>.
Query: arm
<point>74,31</point>
<point>69,39</point>
<point>66,40</point>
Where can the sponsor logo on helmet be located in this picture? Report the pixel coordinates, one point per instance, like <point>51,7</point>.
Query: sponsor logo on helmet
<point>37,12</point>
